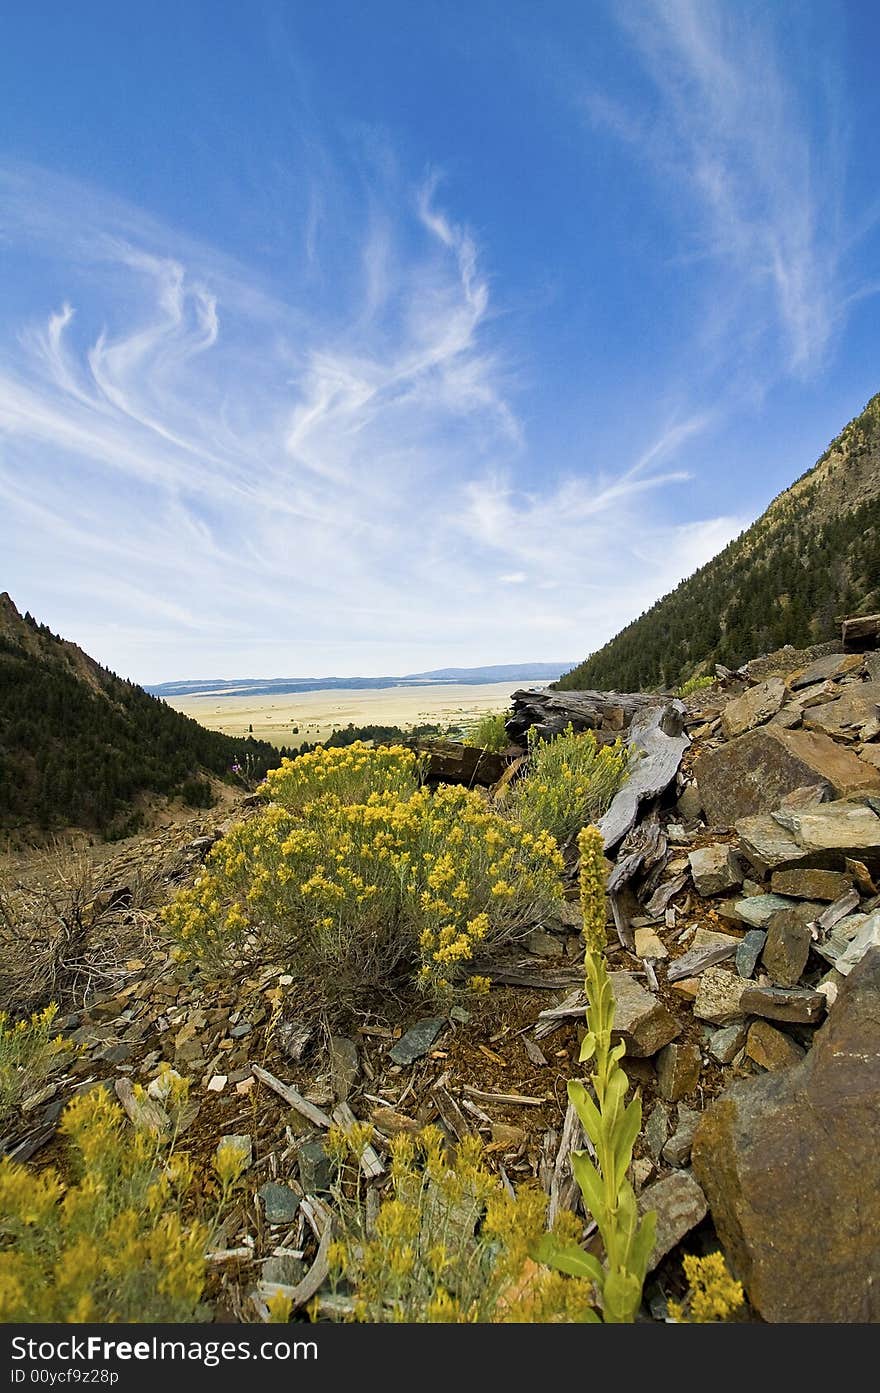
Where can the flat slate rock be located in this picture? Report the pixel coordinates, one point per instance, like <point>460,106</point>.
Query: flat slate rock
<point>797,1005</point>
<point>416,1042</point>
<point>679,1203</point>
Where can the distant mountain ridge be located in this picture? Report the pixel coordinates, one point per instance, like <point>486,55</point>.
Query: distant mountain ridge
<point>813,555</point>
<point>284,686</point>
<point>78,744</point>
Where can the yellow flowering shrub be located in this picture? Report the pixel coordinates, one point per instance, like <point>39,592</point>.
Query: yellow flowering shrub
<point>28,1054</point>
<point>449,1245</point>
<point>714,1294</point>
<point>570,782</point>
<point>348,775</point>
<point>350,891</point>
<point>113,1245</point>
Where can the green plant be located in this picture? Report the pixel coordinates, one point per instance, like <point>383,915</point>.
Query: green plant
<point>713,1295</point>
<point>343,775</point>
<point>352,874</point>
<point>611,1124</point>
<point>489,732</point>
<point>114,1244</point>
<point>29,1053</point>
<point>695,684</point>
<point>571,780</point>
<point>197,793</point>
<point>448,1244</point>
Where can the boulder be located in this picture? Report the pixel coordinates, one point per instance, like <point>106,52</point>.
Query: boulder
<point>823,836</point>
<point>719,999</point>
<point>772,1048</point>
<point>715,869</point>
<point>753,708</point>
<point>841,719</point>
<point>679,1203</point>
<point>753,774</point>
<point>641,1021</point>
<point>678,1070</point>
<point>787,948</point>
<point>787,1163</point>
<point>832,666</point>
<point>811,884</point>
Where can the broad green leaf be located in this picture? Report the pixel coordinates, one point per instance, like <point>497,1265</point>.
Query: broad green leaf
<point>588,1047</point>
<point>590,1182</point>
<point>567,1256</point>
<point>625,1134</point>
<point>621,1296</point>
<point>587,1112</point>
<point>642,1245</point>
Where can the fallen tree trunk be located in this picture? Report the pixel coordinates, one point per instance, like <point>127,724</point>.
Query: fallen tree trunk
<point>548,713</point>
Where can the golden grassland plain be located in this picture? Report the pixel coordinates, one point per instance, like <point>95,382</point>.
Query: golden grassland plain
<point>317,714</point>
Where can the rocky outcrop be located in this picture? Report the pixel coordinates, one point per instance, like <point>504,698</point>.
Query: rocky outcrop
<point>754,773</point>
<point>788,1163</point>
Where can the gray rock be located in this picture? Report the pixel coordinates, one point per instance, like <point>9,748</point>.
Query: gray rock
<point>753,773</point>
<point>280,1203</point>
<point>792,1004</point>
<point>808,883</point>
<point>726,1043</point>
<point>758,910</point>
<point>677,1151</point>
<point>678,1070</point>
<point>641,1021</point>
<point>287,1270</point>
<point>789,1161</point>
<point>417,1040</point>
<point>719,999</point>
<point>344,1065</point>
<point>708,948</point>
<point>753,708</point>
<point>866,936</point>
<point>749,951</point>
<point>715,869</point>
<point>656,1131</point>
<point>679,1204</point>
<point>787,948</point>
<point>832,665</point>
<point>313,1164</point>
<point>772,1048</point>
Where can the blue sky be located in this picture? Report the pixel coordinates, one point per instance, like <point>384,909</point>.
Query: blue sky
<point>372,337</point>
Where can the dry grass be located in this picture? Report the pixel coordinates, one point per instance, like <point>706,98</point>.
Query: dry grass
<point>62,934</point>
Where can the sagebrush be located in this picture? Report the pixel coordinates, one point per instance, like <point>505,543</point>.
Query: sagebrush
<point>570,782</point>
<point>352,876</point>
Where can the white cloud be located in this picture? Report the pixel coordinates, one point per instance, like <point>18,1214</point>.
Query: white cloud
<point>202,476</point>
<point>747,146</point>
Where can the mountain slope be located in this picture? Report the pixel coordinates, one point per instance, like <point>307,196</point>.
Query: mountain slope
<point>78,744</point>
<point>812,556</point>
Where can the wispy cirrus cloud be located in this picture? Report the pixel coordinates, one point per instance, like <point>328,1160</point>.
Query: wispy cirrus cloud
<point>747,141</point>
<point>203,473</point>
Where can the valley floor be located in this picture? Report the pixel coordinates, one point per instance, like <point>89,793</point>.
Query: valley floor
<point>317,714</point>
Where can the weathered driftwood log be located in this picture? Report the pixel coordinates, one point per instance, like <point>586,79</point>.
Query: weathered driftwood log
<point>548,713</point>
<point>658,733</point>
<point>861,632</point>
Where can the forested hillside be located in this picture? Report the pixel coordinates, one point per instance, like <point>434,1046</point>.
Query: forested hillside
<point>812,556</point>
<point>77,743</point>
